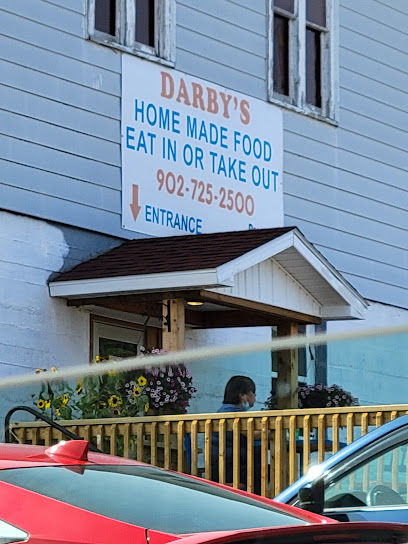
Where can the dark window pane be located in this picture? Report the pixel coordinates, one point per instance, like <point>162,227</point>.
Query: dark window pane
<point>145,22</point>
<point>150,497</point>
<point>287,5</point>
<point>313,79</point>
<point>316,12</point>
<point>115,348</point>
<point>105,16</point>
<point>281,55</point>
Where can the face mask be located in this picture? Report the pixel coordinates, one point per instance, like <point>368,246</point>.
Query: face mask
<point>245,406</point>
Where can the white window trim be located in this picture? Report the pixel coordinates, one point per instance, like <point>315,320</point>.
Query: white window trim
<point>164,51</point>
<point>297,64</point>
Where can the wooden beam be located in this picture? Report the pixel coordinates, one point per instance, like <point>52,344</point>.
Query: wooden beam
<point>242,313</point>
<point>259,307</point>
<point>287,382</point>
<point>173,324</point>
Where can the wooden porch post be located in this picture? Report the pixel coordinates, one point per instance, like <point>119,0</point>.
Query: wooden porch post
<point>173,324</point>
<point>287,381</point>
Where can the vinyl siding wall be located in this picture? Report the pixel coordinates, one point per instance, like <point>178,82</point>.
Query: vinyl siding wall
<point>345,187</point>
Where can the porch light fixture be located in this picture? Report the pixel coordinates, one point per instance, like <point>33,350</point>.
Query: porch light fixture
<point>194,303</point>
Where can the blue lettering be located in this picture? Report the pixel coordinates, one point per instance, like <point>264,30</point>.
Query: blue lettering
<point>142,145</point>
<point>191,222</point>
<point>129,137</point>
<point>242,171</point>
<point>199,157</point>
<point>203,132</point>
<point>275,175</point>
<point>237,140</point>
<point>165,118</point>
<point>175,122</point>
<point>170,219</point>
<point>191,127</point>
<point>256,175</point>
<point>223,137</point>
<point>151,114</point>
<point>139,110</point>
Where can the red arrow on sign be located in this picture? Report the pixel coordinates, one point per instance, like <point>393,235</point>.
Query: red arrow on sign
<point>134,206</point>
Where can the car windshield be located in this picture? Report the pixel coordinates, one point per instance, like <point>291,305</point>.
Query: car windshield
<point>149,497</point>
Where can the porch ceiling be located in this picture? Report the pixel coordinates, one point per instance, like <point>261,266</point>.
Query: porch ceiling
<point>231,273</point>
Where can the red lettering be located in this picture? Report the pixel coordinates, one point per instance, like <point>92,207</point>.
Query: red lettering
<point>167,83</point>
<point>226,99</point>
<point>198,101</point>
<point>212,100</point>
<point>244,107</point>
<point>183,93</point>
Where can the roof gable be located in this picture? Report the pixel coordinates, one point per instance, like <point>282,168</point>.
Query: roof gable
<point>218,262</point>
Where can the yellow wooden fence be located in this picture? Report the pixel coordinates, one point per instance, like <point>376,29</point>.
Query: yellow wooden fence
<point>290,440</point>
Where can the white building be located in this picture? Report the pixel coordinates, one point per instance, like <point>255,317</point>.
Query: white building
<point>326,81</point>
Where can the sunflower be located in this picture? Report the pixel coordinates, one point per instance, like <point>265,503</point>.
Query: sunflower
<point>116,412</point>
<point>41,404</point>
<point>65,399</point>
<point>136,391</point>
<point>57,411</point>
<point>114,401</point>
<point>79,387</point>
<point>101,405</point>
<point>141,381</point>
<point>146,407</point>
<point>48,403</point>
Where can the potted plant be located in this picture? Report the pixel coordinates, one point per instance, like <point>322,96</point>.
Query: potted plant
<point>157,390</point>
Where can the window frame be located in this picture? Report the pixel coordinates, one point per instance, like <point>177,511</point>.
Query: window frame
<point>125,26</point>
<point>115,330</point>
<point>329,40</point>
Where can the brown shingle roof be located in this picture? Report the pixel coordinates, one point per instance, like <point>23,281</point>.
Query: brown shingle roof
<point>172,254</point>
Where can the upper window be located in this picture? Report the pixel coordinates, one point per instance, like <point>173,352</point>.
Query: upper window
<point>302,65</point>
<point>143,27</point>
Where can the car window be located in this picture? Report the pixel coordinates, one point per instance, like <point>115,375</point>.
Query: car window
<point>378,481</point>
<point>149,497</point>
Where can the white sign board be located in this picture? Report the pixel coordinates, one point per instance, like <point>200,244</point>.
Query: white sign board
<point>196,157</point>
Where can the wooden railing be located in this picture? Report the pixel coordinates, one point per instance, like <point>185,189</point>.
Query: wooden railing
<point>290,440</point>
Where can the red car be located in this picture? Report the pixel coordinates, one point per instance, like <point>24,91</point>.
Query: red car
<point>63,494</point>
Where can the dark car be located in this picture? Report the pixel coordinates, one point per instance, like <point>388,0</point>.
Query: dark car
<point>366,480</point>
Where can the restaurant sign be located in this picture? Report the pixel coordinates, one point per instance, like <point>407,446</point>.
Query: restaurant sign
<point>196,157</point>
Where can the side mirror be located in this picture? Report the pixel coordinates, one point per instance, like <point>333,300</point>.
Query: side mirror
<point>311,496</point>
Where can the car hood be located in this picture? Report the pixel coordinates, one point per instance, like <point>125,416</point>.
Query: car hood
<point>338,533</point>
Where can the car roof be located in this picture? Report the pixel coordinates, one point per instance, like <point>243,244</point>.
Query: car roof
<point>382,431</point>
<point>25,454</point>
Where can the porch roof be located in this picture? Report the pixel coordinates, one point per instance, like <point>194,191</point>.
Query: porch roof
<point>276,272</point>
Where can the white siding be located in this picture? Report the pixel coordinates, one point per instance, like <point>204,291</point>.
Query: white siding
<point>344,187</point>
<point>269,283</point>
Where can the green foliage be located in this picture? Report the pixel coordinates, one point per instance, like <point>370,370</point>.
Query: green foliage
<point>164,390</point>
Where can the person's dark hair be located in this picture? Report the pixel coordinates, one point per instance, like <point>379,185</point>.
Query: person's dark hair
<point>236,386</point>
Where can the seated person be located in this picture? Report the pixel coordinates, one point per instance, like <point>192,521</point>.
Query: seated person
<point>239,396</point>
